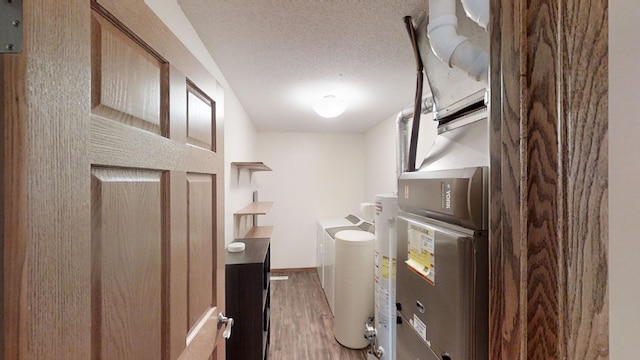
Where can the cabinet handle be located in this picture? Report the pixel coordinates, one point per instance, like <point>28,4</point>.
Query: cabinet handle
<point>228,324</point>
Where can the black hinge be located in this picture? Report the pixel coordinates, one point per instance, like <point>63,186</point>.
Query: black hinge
<point>10,26</point>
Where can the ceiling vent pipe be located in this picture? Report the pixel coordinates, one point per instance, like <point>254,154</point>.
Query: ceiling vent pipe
<point>453,49</point>
<point>478,11</point>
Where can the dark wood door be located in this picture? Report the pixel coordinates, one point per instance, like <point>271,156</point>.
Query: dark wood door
<point>549,294</point>
<point>112,194</point>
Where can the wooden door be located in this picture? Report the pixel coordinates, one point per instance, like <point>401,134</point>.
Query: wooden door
<point>549,294</point>
<point>112,193</point>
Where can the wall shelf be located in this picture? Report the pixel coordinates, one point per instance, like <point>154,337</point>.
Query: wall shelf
<point>251,166</point>
<point>258,232</point>
<point>255,208</point>
<point>245,230</point>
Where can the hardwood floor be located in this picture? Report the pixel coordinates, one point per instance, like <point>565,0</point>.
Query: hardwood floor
<point>302,323</point>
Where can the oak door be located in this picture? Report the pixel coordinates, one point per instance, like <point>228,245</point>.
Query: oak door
<point>112,193</point>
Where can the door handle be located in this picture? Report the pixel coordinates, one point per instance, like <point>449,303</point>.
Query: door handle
<point>228,324</point>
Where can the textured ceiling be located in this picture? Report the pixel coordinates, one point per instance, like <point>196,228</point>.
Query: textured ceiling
<point>279,56</point>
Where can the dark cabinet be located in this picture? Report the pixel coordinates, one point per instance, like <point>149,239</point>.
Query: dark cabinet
<point>247,300</point>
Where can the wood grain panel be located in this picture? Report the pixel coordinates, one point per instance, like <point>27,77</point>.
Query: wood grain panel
<point>507,295</point>
<point>549,180</point>
<point>177,253</point>
<point>542,180</point>
<point>127,242</point>
<point>200,119</point>
<point>112,143</point>
<point>201,347</point>
<point>49,144</point>
<point>115,144</point>
<point>584,92</point>
<point>301,321</point>
<point>4,198</point>
<point>201,252</point>
<point>126,79</point>
<point>45,185</point>
<point>138,18</point>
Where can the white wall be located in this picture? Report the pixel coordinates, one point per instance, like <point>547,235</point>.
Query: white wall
<point>240,137</point>
<point>380,160</point>
<point>624,177</point>
<point>380,154</point>
<point>239,132</point>
<point>315,176</point>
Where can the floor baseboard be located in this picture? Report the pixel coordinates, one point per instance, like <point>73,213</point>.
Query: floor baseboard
<point>293,270</point>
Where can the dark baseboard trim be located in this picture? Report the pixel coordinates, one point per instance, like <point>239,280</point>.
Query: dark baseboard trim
<point>310,269</point>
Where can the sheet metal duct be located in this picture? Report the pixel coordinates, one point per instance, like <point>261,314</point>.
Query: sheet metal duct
<point>450,85</point>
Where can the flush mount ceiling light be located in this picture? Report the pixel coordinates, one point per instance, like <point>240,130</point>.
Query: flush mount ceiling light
<point>329,106</point>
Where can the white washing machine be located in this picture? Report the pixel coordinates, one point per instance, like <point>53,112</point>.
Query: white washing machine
<point>349,220</point>
<point>329,255</point>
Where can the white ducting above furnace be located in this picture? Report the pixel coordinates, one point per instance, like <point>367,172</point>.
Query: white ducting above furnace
<point>453,49</point>
<point>478,11</point>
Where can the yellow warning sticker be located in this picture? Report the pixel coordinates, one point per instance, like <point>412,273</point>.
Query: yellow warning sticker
<point>393,269</point>
<point>385,267</point>
<point>421,251</point>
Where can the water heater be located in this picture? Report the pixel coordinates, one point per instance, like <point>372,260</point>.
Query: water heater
<point>386,210</point>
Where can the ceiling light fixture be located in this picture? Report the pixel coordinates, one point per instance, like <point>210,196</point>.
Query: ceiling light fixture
<point>329,106</point>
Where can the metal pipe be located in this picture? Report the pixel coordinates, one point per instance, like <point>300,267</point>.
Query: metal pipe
<point>402,133</point>
<point>371,335</point>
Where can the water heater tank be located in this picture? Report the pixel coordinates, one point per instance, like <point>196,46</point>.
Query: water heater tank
<point>385,273</point>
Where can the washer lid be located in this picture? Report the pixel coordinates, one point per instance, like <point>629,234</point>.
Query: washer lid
<point>354,235</point>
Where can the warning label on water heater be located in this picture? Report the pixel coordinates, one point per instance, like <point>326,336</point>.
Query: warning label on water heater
<point>421,251</point>
<point>388,268</point>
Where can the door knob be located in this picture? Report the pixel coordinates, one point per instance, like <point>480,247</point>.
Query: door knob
<point>228,324</point>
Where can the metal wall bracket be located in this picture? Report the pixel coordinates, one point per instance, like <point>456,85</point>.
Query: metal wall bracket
<point>10,26</point>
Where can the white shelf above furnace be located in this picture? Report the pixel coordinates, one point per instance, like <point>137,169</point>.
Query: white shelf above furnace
<point>251,167</point>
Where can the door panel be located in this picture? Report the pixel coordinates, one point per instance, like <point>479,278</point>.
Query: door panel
<point>176,140</point>
<point>200,119</point>
<point>126,78</point>
<point>127,240</point>
<point>200,265</point>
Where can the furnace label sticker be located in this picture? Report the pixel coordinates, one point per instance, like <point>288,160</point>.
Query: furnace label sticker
<point>420,327</point>
<point>421,251</point>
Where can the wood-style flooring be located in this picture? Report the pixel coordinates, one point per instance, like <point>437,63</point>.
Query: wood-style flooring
<point>302,323</point>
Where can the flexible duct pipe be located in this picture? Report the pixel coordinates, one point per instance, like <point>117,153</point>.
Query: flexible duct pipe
<point>478,11</point>
<point>402,133</point>
<point>453,49</point>
<point>417,110</point>
<point>402,140</point>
